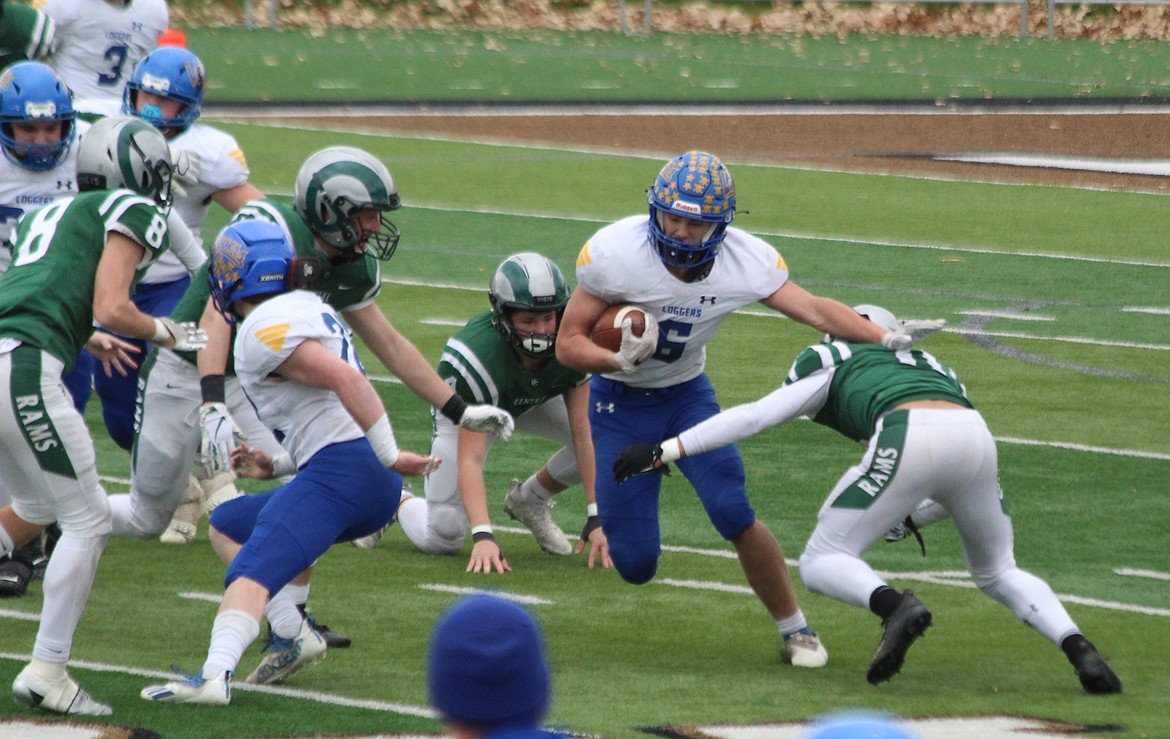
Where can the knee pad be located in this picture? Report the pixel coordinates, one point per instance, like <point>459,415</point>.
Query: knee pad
<point>448,527</point>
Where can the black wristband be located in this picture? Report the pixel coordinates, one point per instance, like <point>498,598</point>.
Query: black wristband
<point>211,387</point>
<point>479,536</point>
<point>454,408</point>
<point>592,523</point>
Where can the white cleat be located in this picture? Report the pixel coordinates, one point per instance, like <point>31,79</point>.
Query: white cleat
<point>181,529</point>
<point>371,540</point>
<point>283,657</point>
<point>61,696</point>
<point>535,516</point>
<point>213,691</point>
<point>219,490</point>
<point>804,649</point>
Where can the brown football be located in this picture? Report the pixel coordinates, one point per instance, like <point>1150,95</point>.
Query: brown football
<point>607,332</point>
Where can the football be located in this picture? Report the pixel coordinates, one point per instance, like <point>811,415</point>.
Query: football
<point>607,332</point>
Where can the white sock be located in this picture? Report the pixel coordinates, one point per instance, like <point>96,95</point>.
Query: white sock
<point>68,579</point>
<point>792,624</point>
<point>533,489</point>
<point>231,634</point>
<point>283,614</point>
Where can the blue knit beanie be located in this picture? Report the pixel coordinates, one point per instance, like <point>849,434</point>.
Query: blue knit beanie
<point>486,664</point>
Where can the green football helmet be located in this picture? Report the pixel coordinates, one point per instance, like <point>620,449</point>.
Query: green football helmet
<point>333,185</point>
<point>123,152</point>
<point>527,281</point>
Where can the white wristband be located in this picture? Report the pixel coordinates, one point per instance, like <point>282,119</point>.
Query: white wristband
<point>483,528</point>
<point>381,437</point>
<point>671,450</point>
<point>591,509</point>
<point>283,466</point>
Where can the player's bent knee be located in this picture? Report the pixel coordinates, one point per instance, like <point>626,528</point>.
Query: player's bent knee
<point>448,529</point>
<point>635,570</point>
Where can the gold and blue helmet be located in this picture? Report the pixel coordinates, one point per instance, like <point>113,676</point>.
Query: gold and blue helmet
<point>694,185</point>
<point>253,258</point>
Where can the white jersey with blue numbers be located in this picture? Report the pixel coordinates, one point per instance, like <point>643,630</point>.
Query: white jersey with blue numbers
<point>98,45</point>
<point>22,190</point>
<point>619,264</point>
<point>265,339</point>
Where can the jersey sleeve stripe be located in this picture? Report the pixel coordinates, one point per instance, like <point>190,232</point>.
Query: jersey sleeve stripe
<point>273,336</point>
<point>472,370</point>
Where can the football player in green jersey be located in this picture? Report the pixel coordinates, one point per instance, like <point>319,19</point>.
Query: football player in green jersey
<point>74,263</point>
<point>506,357</point>
<point>925,440</point>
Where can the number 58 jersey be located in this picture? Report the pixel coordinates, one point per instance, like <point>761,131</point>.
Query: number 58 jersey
<point>304,419</point>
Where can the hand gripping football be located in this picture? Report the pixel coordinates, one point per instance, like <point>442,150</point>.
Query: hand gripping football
<point>607,332</point>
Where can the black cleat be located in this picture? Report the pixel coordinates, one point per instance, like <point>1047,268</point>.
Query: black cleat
<point>1094,672</point>
<point>333,639</point>
<point>15,575</point>
<point>908,622</point>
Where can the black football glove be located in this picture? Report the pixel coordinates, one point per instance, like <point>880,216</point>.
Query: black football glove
<point>637,459</point>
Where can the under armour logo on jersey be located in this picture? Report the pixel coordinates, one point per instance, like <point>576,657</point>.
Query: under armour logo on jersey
<point>704,298</point>
<point>607,407</point>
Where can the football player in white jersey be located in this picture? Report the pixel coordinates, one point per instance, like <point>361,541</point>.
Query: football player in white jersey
<point>924,438</point>
<point>74,263</point>
<point>38,130</point>
<point>98,44</point>
<point>688,269</point>
<point>166,90</point>
<point>296,361</point>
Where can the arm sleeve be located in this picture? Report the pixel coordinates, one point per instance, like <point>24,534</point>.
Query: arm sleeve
<point>784,404</point>
<point>184,244</point>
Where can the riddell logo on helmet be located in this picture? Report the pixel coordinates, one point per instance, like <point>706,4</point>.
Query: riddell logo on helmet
<point>685,207</point>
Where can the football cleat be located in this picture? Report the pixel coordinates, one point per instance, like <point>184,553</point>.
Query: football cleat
<point>905,529</point>
<point>804,649</point>
<point>63,695</point>
<point>1095,674</point>
<point>283,657</point>
<point>371,540</point>
<point>212,691</point>
<point>181,529</point>
<point>333,639</point>
<point>15,575</point>
<point>535,516</point>
<point>908,622</point>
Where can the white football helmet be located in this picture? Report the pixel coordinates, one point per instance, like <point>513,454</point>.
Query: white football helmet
<point>878,315</point>
<point>123,152</point>
<point>336,182</point>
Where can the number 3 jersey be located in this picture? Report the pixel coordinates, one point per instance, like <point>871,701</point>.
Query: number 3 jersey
<point>46,296</point>
<point>304,419</point>
<point>619,264</point>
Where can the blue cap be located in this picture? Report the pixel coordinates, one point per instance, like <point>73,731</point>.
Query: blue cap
<point>487,666</point>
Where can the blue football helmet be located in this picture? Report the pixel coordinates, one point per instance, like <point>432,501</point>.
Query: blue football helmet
<point>31,92</point>
<point>694,185</point>
<point>172,73</point>
<point>527,281</point>
<point>253,258</point>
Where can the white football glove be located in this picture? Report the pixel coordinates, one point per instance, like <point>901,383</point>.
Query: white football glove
<point>188,337</point>
<point>911,332</point>
<point>637,349</point>
<point>184,172</point>
<point>219,437</point>
<point>488,419</point>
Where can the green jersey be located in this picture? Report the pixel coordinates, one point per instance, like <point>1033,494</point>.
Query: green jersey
<point>341,285</point>
<point>46,296</point>
<point>482,367</point>
<point>25,34</point>
<point>869,380</point>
